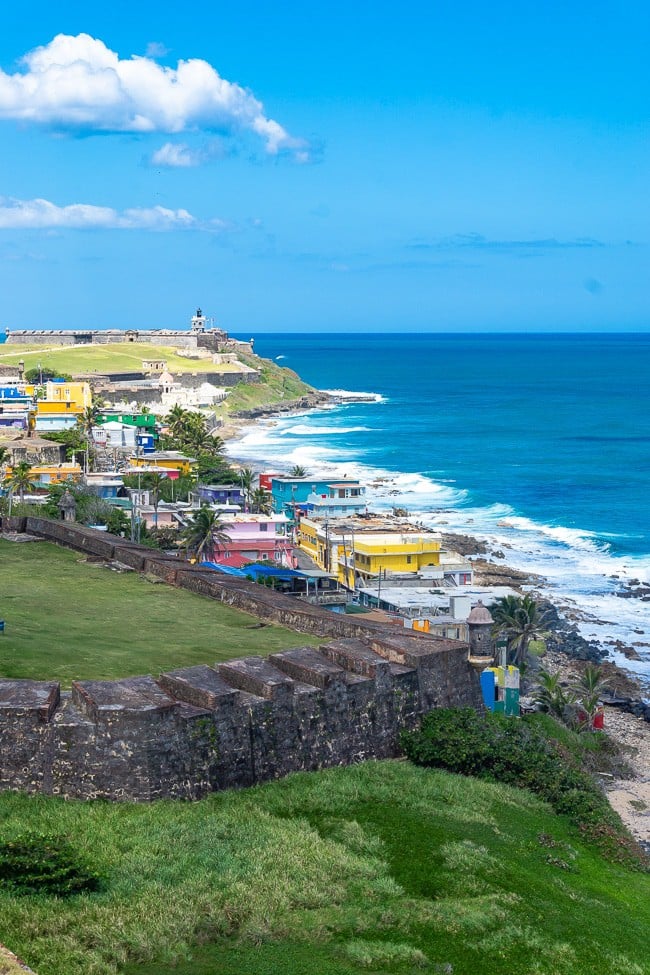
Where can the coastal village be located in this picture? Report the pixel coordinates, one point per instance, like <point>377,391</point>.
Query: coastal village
<point>398,630</point>
<point>314,537</point>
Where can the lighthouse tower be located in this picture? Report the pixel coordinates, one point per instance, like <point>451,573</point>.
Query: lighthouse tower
<point>199,321</point>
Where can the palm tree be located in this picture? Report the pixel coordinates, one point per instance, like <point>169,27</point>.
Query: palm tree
<point>297,471</point>
<point>552,696</point>
<point>247,477</point>
<point>519,619</point>
<point>261,501</point>
<point>19,481</point>
<point>154,484</point>
<point>205,534</point>
<point>588,689</point>
<point>85,423</point>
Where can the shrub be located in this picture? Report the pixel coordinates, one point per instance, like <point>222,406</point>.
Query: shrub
<point>37,864</point>
<point>521,753</point>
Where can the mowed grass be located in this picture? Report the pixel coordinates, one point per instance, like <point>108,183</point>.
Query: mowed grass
<point>382,868</point>
<point>68,619</point>
<point>115,357</point>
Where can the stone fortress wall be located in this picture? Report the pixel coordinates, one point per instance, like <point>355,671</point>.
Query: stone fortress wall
<point>212,339</point>
<point>199,729</point>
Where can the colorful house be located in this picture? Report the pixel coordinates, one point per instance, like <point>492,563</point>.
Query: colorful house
<point>63,404</point>
<point>257,537</point>
<point>359,555</point>
<point>168,460</point>
<point>317,497</point>
<point>221,494</point>
<point>43,475</point>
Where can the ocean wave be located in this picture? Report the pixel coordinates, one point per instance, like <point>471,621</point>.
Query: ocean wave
<point>309,430</point>
<point>353,394</point>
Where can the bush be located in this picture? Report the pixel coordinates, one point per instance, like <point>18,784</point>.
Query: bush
<point>38,864</point>
<point>522,753</point>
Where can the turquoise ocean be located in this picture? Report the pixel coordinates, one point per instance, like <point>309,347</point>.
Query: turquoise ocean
<point>538,444</point>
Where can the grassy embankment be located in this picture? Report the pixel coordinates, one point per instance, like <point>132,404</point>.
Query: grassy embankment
<point>277,384</point>
<point>382,868</point>
<point>67,619</point>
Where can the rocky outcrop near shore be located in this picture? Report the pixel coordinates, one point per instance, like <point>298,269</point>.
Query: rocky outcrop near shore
<point>309,402</point>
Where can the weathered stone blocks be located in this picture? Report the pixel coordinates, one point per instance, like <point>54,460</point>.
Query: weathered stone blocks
<point>199,729</point>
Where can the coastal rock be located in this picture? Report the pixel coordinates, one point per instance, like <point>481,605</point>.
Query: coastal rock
<point>309,402</point>
<point>563,637</point>
<point>463,544</point>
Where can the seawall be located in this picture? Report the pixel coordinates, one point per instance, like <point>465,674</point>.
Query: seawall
<point>196,730</point>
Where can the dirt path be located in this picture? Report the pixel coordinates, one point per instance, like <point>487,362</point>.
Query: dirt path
<point>631,797</point>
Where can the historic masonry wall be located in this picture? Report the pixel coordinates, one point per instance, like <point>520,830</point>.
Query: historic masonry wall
<point>199,729</point>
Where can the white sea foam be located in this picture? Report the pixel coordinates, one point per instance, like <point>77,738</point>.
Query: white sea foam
<point>311,430</point>
<point>352,394</point>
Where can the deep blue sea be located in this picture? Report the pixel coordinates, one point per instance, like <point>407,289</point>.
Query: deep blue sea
<point>538,443</point>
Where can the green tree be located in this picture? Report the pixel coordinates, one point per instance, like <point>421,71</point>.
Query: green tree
<point>552,695</point>
<point>261,501</point>
<point>247,479</point>
<point>72,438</point>
<point>20,480</point>
<point>43,374</point>
<point>297,471</point>
<point>205,534</point>
<point>588,690</point>
<point>519,619</point>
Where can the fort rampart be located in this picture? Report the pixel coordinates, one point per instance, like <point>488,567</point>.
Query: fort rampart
<point>192,731</point>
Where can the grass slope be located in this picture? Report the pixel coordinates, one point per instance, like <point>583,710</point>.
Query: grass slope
<point>67,619</point>
<point>116,357</point>
<point>381,868</point>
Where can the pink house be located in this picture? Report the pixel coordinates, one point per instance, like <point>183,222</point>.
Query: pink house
<point>256,538</point>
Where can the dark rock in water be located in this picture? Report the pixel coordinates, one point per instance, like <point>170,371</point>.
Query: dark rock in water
<point>464,544</point>
<point>563,637</point>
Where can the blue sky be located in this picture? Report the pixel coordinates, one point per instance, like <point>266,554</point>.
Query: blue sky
<point>422,166</point>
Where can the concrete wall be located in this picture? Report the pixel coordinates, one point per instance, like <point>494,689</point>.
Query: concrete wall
<point>192,731</point>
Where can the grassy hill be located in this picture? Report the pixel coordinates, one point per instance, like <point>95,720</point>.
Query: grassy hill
<point>277,384</point>
<point>68,619</point>
<point>117,357</point>
<point>379,868</point>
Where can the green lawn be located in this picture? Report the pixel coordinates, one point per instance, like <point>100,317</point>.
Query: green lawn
<point>378,868</point>
<point>68,619</point>
<point>117,357</point>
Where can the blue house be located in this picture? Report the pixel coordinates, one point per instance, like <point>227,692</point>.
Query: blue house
<point>221,494</point>
<point>320,498</point>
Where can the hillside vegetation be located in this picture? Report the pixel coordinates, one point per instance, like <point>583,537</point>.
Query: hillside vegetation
<point>382,868</point>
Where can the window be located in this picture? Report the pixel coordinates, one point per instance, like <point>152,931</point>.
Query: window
<point>409,559</point>
<point>264,526</point>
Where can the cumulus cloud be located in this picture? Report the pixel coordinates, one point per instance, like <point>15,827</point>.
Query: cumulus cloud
<point>44,215</point>
<point>179,154</point>
<point>77,83</point>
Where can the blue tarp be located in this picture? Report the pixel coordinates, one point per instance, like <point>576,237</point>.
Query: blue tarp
<point>258,569</point>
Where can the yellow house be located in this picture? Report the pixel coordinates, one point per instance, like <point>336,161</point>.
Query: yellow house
<point>62,405</point>
<point>358,555</point>
<point>42,475</point>
<point>65,397</point>
<point>170,460</point>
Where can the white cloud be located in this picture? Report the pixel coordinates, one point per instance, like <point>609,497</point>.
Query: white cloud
<point>41,215</point>
<point>176,154</point>
<point>77,83</point>
<point>179,154</point>
<point>156,50</point>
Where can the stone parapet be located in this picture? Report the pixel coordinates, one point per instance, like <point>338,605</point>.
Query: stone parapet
<point>195,730</point>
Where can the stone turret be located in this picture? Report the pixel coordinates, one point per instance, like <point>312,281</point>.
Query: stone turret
<point>481,645</point>
<point>67,506</point>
